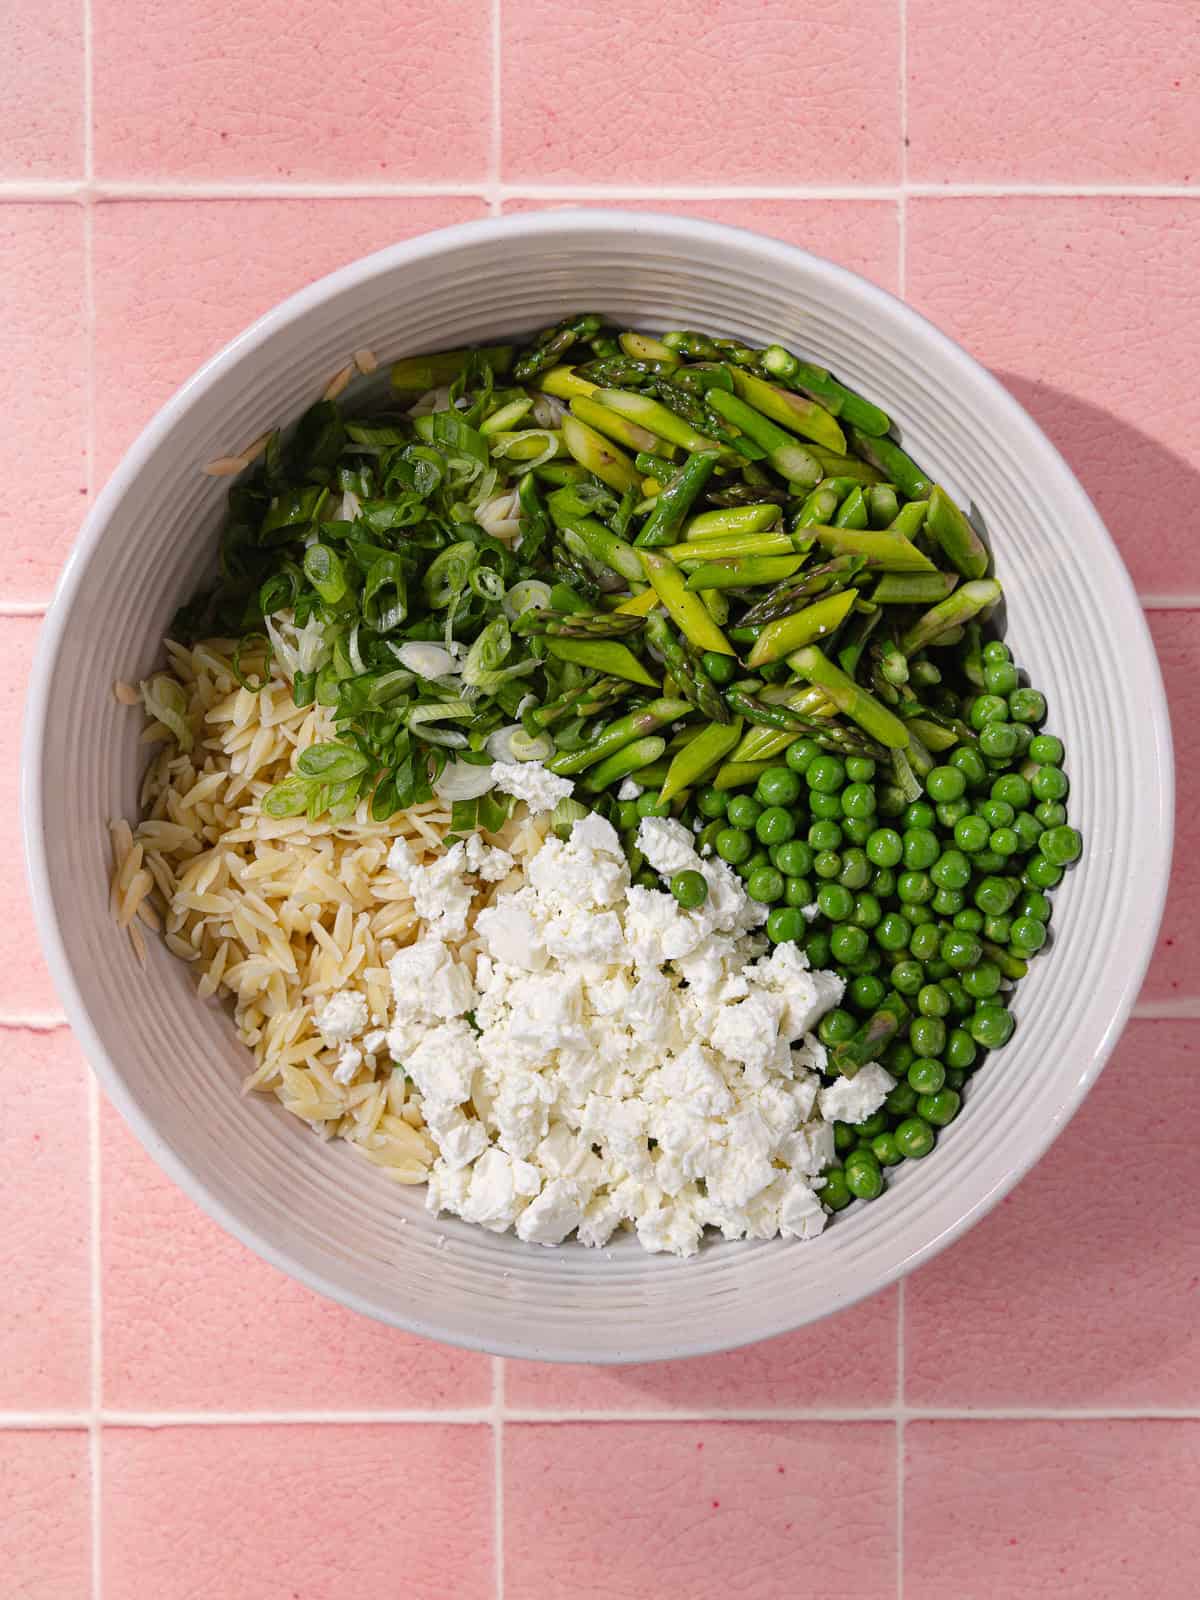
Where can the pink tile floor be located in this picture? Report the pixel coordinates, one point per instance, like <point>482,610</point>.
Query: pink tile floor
<point>1020,1418</point>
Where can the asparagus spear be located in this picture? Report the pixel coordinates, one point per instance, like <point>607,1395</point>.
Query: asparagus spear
<point>687,610</point>
<point>553,343</point>
<point>624,763</point>
<point>608,657</point>
<point>853,510</point>
<point>430,372</point>
<point>732,520</point>
<point>831,576</point>
<point>829,735</point>
<point>961,606</point>
<point>794,461</point>
<point>619,733</point>
<point>643,348</point>
<point>744,572</point>
<point>663,524</point>
<point>607,422</point>
<point>793,411</point>
<point>876,1033</point>
<point>884,552</point>
<point>962,546</point>
<point>684,666</point>
<point>596,625</point>
<point>835,397</point>
<point>656,418</point>
<point>913,588</point>
<point>896,465</point>
<point>593,451</point>
<point>873,717</point>
<point>786,634</point>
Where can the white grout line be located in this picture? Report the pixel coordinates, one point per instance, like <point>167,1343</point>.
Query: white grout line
<point>35,1022</point>
<point>30,1421</point>
<point>115,189</point>
<point>495,204</point>
<point>498,1472</point>
<point>1169,602</point>
<point>23,608</point>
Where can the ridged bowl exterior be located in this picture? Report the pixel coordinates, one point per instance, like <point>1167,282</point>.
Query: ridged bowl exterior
<point>173,1064</point>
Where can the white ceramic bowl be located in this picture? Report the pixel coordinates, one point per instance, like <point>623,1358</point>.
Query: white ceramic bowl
<point>173,1065</point>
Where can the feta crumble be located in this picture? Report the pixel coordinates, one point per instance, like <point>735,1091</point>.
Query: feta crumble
<point>529,781</point>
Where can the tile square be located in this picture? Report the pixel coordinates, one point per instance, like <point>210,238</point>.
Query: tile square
<point>1175,970</point>
<point>859,234</point>
<point>847,1361</point>
<point>707,1510</point>
<point>41,90</point>
<point>45,1310</point>
<point>177,280</point>
<point>43,393</point>
<point>1089,310</point>
<point>706,91</point>
<point>25,986</point>
<point>1084,90</point>
<point>262,91</point>
<point>298,1512</point>
<point>1082,1288</point>
<point>194,1322</point>
<point>45,1532</point>
<point>1079,1510</point>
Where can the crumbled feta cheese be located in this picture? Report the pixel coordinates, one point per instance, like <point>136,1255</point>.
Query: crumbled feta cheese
<point>529,781</point>
<point>342,1017</point>
<point>629,790</point>
<point>666,844</point>
<point>857,1098</point>
<point>349,1060</point>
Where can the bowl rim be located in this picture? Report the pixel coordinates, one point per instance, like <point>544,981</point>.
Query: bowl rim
<point>511,229</point>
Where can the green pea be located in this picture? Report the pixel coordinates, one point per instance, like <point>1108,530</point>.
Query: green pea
<point>646,878</point>
<point>870,1126</point>
<point>734,846</point>
<point>1000,677</point>
<point>914,888</point>
<point>816,943</point>
<point>795,858</point>
<point>742,811</point>
<point>982,981</point>
<point>938,970</point>
<point>925,942</point>
<point>1034,904</point>
<point>649,805</point>
<point>891,800</point>
<point>826,774</point>
<point>951,870</point>
<point>955,1078</point>
<point>689,889</point>
<point>926,1075</point>
<point>827,864</point>
<point>996,930</point>
<point>921,849</point>
<point>960,1000</point>
<point>919,815</point>
<point>870,962</point>
<point>860,769</point>
<point>721,669</point>
<point>1011,789</point>
<point>777,786</point>
<point>952,811</point>
<point>961,950</point>
<point>893,932</point>
<point>756,858</point>
<point>998,741</point>
<point>801,755</point>
<point>711,803</point>
<point>836,1026</point>
<point>775,826</point>
<point>867,992</point>
<point>1025,737</point>
<point>991,1026</point>
<point>848,944</point>
<point>825,805</point>
<point>969,920</point>
<point>835,902</point>
<point>945,783</point>
<point>927,1035</point>
<point>627,815</point>
<point>885,848</point>
<point>1004,842</point>
<point>919,914</point>
<point>798,891</point>
<point>883,882</point>
<point>988,860</point>
<point>858,800</point>
<point>1028,829</point>
<point>863,1181</point>
<point>940,1107</point>
<point>1050,813</point>
<point>824,835</point>
<point>994,896</point>
<point>996,650</point>
<point>971,764</point>
<point>914,1138</point>
<point>933,1001</point>
<point>1042,874</point>
<point>1028,935</point>
<point>971,834</point>
<point>1049,783</point>
<point>1027,705</point>
<point>765,885</point>
<point>948,902</point>
<point>867,911</point>
<point>1046,750</point>
<point>902,1100</point>
<point>856,869</point>
<point>987,708</point>
<point>961,1049</point>
<point>996,813</point>
<point>883,1148</point>
<point>835,1192</point>
<point>785,925</point>
<point>1061,845</point>
<point>858,829</point>
<point>845,1137</point>
<point>907,977</point>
